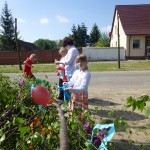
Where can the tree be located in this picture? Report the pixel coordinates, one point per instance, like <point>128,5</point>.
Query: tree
<point>45,44</point>
<point>59,44</point>
<point>7,35</point>
<point>79,35</point>
<point>103,41</point>
<point>95,34</point>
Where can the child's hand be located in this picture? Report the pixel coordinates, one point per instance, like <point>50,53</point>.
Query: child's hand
<point>56,61</point>
<point>67,89</point>
<point>64,83</point>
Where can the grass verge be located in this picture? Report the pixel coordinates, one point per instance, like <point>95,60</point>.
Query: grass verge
<point>93,66</point>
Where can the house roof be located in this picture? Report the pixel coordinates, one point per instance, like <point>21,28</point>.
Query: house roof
<point>135,19</point>
<point>28,45</point>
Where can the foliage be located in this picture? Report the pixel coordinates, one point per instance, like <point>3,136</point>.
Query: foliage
<point>82,39</point>
<point>79,35</point>
<point>103,41</point>
<point>139,103</point>
<point>7,35</point>
<point>26,125</point>
<point>95,34</point>
<point>45,44</point>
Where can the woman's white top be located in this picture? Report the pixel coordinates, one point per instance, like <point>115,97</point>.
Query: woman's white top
<point>69,61</point>
<point>79,81</point>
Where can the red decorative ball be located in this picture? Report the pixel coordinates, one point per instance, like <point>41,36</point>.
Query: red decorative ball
<point>41,95</point>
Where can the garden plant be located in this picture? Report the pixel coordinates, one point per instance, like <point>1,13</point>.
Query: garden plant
<point>27,126</point>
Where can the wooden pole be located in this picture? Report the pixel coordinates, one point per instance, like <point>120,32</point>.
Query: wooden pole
<point>118,43</point>
<point>16,40</point>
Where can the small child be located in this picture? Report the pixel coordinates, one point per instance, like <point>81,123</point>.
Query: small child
<point>61,72</point>
<point>78,84</point>
<point>28,64</point>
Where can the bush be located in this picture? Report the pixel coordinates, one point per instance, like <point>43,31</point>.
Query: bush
<point>25,125</point>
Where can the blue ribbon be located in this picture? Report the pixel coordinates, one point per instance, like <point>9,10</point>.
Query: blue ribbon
<point>66,94</point>
<point>107,137</point>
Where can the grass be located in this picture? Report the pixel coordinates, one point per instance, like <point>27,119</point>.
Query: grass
<point>93,66</point>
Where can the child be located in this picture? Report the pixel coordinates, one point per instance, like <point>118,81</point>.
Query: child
<point>61,72</point>
<point>78,84</point>
<point>28,64</point>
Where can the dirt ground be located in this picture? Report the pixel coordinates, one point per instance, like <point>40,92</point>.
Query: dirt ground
<point>138,125</point>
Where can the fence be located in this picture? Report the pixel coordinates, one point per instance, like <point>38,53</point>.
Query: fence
<point>10,58</point>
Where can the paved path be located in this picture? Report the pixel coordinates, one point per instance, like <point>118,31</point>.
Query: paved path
<point>113,86</point>
<point>113,79</point>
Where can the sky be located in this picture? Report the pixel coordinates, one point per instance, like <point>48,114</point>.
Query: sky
<point>54,19</point>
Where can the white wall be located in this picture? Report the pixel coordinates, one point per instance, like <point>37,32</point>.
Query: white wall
<point>114,34</point>
<point>98,54</point>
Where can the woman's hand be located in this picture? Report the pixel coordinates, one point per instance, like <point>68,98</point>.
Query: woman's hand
<point>56,62</point>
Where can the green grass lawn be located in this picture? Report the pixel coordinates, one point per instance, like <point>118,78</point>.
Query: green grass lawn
<point>93,66</point>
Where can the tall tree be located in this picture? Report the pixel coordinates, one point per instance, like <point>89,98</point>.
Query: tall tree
<point>79,35</point>
<point>103,41</point>
<point>7,35</point>
<point>95,34</point>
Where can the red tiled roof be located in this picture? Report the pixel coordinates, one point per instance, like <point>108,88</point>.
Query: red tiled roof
<point>135,19</point>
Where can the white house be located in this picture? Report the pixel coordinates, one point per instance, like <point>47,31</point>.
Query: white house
<point>132,23</point>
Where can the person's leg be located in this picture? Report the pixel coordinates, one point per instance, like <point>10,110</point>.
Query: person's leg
<point>32,76</point>
<point>61,92</point>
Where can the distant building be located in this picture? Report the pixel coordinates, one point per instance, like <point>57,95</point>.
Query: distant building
<point>133,24</point>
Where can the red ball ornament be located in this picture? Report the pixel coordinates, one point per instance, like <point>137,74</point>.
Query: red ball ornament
<point>41,95</point>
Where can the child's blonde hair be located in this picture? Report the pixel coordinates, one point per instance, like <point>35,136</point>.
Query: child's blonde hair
<point>63,50</point>
<point>82,58</point>
<point>33,56</point>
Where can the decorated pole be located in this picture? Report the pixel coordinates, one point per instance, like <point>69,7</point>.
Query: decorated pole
<point>64,144</point>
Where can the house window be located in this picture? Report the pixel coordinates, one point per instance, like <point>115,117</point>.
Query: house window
<point>136,43</point>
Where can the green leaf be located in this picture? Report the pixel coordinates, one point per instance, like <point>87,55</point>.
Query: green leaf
<point>18,121</point>
<point>24,130</point>
<point>1,132</point>
<point>133,105</point>
<point>2,138</point>
<point>88,146</point>
<point>116,122</point>
<point>73,126</point>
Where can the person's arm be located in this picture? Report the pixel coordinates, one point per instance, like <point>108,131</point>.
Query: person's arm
<point>27,64</point>
<point>57,62</point>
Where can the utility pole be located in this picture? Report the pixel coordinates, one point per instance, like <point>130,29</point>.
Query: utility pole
<point>118,43</point>
<point>18,50</point>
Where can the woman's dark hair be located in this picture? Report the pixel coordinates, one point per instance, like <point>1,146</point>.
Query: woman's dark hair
<point>67,41</point>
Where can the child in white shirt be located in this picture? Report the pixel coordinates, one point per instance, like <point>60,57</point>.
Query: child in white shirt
<point>78,84</point>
